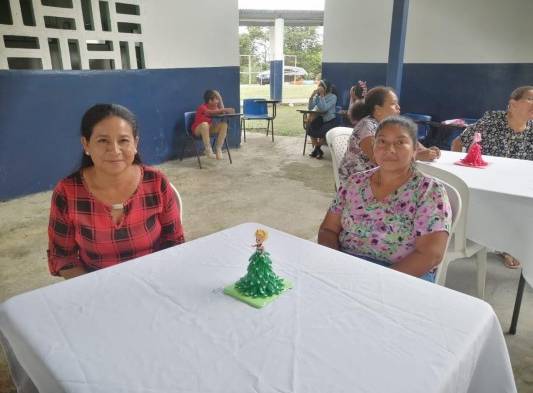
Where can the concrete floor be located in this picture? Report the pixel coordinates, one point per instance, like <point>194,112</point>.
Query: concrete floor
<point>269,183</point>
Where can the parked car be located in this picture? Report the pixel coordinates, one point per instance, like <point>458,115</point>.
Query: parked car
<point>289,72</point>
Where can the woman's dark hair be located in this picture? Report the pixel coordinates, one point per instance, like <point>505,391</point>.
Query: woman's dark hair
<point>375,96</point>
<point>404,122</point>
<point>95,115</point>
<point>519,92</point>
<point>208,95</point>
<point>360,89</point>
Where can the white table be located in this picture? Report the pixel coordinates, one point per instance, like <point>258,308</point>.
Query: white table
<point>162,324</point>
<point>500,214</point>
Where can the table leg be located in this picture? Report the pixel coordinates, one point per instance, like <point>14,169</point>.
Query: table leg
<point>273,117</point>
<point>306,128</point>
<point>517,304</point>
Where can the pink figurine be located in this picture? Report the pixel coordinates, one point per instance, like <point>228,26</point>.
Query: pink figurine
<point>473,156</point>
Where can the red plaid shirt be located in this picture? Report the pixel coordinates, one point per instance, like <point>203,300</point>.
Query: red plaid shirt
<point>81,231</point>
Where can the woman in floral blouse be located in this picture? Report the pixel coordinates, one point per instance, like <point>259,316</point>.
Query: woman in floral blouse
<point>505,134</point>
<point>393,214</point>
<point>366,114</point>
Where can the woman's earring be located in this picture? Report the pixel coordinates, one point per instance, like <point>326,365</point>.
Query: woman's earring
<point>87,153</point>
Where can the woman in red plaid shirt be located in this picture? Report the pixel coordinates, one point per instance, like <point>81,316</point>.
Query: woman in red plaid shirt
<point>113,208</point>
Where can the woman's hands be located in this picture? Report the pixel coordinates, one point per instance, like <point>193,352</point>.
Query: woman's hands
<point>428,154</point>
<point>428,253</point>
<point>328,234</point>
<point>72,272</point>
<point>319,91</point>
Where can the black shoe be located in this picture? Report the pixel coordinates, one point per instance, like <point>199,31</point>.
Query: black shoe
<point>314,153</point>
<point>319,154</point>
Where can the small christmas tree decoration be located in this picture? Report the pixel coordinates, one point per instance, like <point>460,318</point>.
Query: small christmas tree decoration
<point>260,285</point>
<point>473,157</point>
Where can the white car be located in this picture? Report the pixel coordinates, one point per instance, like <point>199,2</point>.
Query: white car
<point>263,78</point>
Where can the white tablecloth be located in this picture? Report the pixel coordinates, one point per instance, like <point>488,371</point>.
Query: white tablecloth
<point>162,324</point>
<point>500,214</point>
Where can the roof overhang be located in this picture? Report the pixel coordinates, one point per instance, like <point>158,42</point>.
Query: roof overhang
<point>291,17</point>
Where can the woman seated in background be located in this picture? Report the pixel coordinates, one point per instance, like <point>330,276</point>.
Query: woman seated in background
<point>113,208</point>
<point>324,101</point>
<point>358,93</point>
<point>204,126</point>
<point>392,215</point>
<point>505,134</point>
<point>379,103</point>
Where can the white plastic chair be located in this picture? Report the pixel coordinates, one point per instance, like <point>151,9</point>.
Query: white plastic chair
<point>178,200</point>
<point>337,139</point>
<point>459,246</point>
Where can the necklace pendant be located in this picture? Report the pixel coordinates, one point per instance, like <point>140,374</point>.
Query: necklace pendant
<point>117,206</point>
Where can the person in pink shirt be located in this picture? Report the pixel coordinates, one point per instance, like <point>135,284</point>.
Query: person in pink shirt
<point>392,214</point>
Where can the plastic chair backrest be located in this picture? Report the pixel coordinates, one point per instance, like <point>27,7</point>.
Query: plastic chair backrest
<point>337,139</point>
<point>339,117</point>
<point>423,129</point>
<point>460,221</point>
<point>189,119</point>
<point>178,198</point>
<point>345,99</point>
<point>254,106</point>
<point>457,206</point>
<point>469,121</point>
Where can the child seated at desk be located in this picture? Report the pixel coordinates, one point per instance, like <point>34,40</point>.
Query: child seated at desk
<point>204,126</point>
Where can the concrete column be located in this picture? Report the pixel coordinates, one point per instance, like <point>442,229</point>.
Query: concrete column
<point>65,53</point>
<point>276,61</point>
<point>397,44</point>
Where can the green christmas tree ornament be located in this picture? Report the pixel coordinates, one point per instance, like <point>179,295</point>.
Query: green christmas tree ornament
<point>260,285</point>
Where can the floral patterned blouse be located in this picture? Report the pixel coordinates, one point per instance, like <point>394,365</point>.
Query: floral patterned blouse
<point>387,230</point>
<point>498,139</point>
<point>355,160</point>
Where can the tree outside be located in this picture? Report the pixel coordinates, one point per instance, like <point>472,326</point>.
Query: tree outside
<point>302,43</point>
<point>306,45</point>
<point>303,48</point>
<point>253,48</point>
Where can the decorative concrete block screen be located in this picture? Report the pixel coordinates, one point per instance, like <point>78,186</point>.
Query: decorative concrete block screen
<point>70,35</point>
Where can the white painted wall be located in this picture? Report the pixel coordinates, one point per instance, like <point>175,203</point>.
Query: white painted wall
<point>175,33</point>
<point>469,31</point>
<point>451,31</point>
<point>357,31</point>
<point>80,34</point>
<point>199,33</point>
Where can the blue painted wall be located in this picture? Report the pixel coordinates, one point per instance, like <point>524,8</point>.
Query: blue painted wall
<point>443,91</point>
<point>344,75</point>
<point>276,80</point>
<point>40,114</point>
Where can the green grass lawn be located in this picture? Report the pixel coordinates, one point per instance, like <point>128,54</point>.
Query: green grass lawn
<point>288,122</point>
<point>289,91</point>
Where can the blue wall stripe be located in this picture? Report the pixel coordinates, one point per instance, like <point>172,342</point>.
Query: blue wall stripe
<point>400,9</point>
<point>41,114</point>
<point>443,91</point>
<point>276,80</point>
